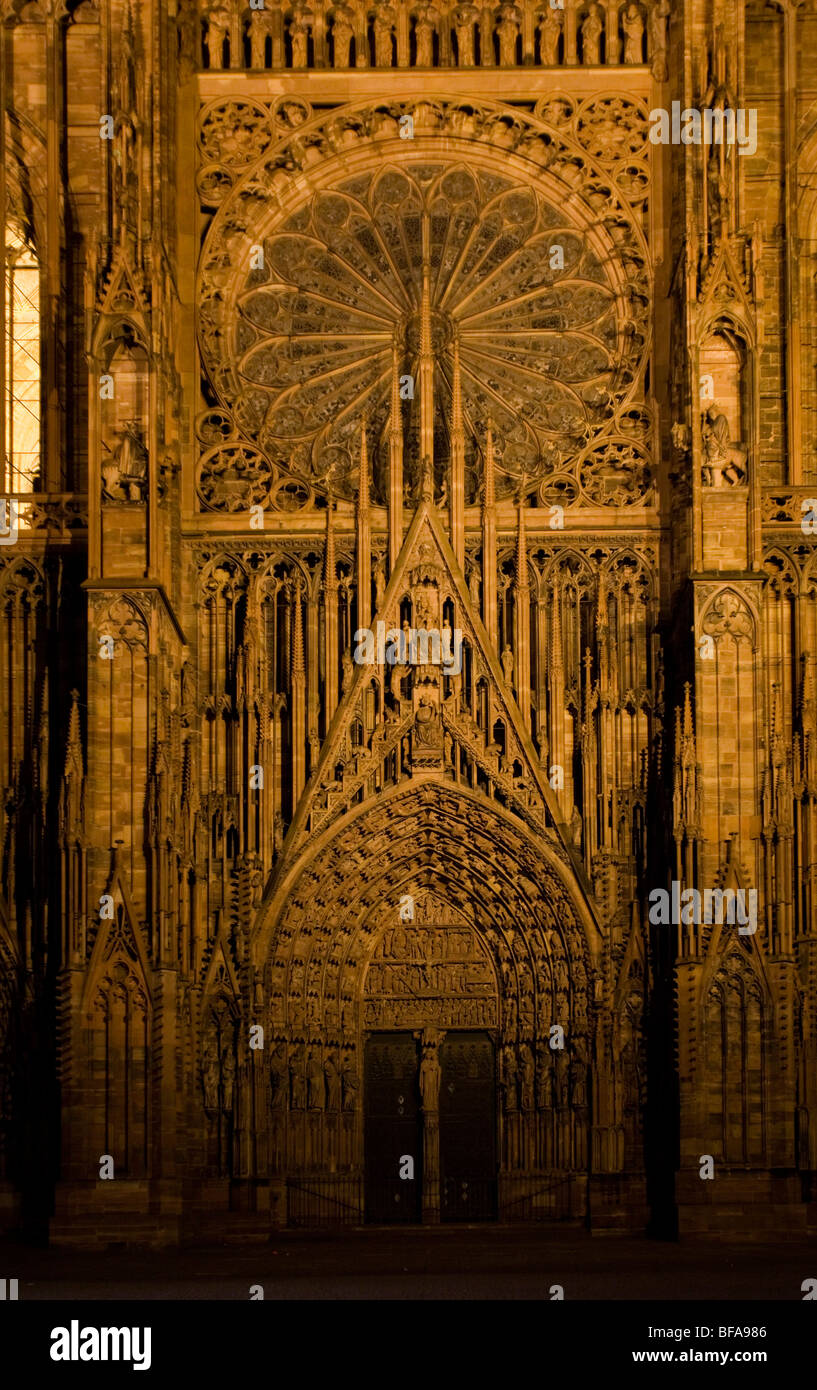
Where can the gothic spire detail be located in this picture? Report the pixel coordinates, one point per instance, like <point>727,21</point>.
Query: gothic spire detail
<point>426,355</point>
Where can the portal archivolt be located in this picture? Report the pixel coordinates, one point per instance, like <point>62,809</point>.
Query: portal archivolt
<point>499,941</point>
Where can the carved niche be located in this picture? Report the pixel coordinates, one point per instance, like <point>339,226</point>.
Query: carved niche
<point>724,410</point>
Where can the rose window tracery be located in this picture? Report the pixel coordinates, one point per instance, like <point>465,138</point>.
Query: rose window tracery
<point>321,329</point>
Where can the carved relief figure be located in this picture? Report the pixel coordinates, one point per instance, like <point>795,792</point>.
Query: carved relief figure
<point>379,578</point>
<point>527,1073</point>
<point>430,1077</point>
<point>384,22</point>
<point>508,31</point>
<point>343,31</point>
<point>425,25</point>
<point>592,30</point>
<point>658,19</point>
<point>507,664</point>
<point>261,22</point>
<point>509,1077</point>
<point>314,1081</point>
<point>725,460</point>
<point>124,474</point>
<point>632,23</point>
<point>218,27</point>
<point>210,1080</point>
<point>299,34</point>
<point>427,723</point>
<point>333,1083</point>
<point>279,1078</point>
<point>550,29</point>
<point>464,18</point>
<point>350,1082</point>
<point>298,1080</point>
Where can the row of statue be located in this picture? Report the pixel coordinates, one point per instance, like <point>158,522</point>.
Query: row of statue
<point>309,1082</point>
<point>471,35</point>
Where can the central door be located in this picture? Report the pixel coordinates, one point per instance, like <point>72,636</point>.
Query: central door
<point>468,1186</point>
<point>463,1130</point>
<point>393,1131</point>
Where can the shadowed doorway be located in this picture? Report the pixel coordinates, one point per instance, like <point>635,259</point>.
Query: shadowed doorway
<point>393,1130</point>
<point>468,1169</point>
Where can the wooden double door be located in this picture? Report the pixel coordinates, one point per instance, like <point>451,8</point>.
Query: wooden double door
<point>430,1164</point>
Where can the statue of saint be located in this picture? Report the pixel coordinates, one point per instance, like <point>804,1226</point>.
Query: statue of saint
<point>550,29</point>
<point>298,1081</point>
<point>333,1083</point>
<point>592,30</point>
<point>508,31</point>
<point>430,1078</point>
<point>379,577</point>
<point>633,25</point>
<point>425,23</point>
<point>218,27</point>
<point>659,14</point>
<point>464,17</point>
<point>342,34</point>
<point>349,1082</point>
<point>509,1077</point>
<point>299,34</point>
<point>427,722</point>
<point>384,21</point>
<point>314,1081</point>
<point>507,664</point>
<point>279,1076</point>
<point>210,1083</point>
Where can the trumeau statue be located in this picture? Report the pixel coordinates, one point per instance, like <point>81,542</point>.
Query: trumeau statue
<point>430,1077</point>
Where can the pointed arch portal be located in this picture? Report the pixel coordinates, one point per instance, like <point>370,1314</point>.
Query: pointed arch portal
<point>419,963</point>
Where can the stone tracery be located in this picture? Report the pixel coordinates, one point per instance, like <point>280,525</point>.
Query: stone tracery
<point>545,310</point>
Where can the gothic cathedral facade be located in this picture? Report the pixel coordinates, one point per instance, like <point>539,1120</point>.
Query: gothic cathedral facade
<point>408,589</point>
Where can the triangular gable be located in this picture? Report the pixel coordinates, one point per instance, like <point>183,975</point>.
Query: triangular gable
<point>723,289</point>
<point>220,969</point>
<point>725,938</point>
<point>427,559</point>
<point>119,936</point>
<point>122,294</point>
<point>632,976</point>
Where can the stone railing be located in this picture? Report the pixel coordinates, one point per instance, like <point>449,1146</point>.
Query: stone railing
<point>405,34</point>
<point>56,513</point>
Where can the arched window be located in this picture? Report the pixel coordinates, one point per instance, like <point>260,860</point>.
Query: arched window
<point>22,360</point>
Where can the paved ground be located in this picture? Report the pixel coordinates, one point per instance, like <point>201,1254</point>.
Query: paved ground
<point>461,1263</point>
